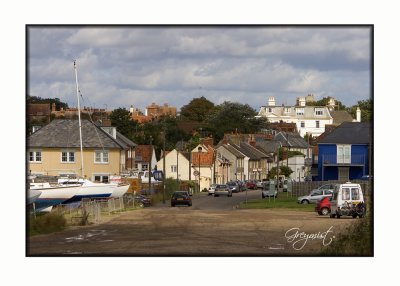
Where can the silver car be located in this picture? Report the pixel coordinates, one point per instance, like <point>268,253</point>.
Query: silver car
<point>211,189</point>
<point>317,194</point>
<point>222,190</point>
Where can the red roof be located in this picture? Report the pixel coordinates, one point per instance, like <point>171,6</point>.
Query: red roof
<point>143,153</point>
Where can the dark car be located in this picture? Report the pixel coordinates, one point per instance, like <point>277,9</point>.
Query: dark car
<point>323,207</point>
<point>181,198</point>
<point>142,201</point>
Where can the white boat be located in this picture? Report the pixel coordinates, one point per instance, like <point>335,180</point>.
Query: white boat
<point>51,195</point>
<point>32,196</point>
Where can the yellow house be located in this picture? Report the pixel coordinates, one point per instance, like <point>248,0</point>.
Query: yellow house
<point>54,150</point>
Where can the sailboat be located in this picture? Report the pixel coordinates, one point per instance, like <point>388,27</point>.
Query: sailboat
<point>88,188</point>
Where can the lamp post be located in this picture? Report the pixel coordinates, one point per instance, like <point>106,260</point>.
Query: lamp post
<point>277,165</point>
<point>149,168</point>
<point>199,149</point>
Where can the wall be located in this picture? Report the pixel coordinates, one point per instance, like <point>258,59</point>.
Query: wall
<point>51,163</point>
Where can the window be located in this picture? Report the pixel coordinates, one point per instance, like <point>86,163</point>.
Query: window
<point>100,178</point>
<point>302,124</point>
<point>317,193</point>
<point>101,157</point>
<point>343,154</point>
<point>35,156</point>
<point>270,110</point>
<point>299,111</point>
<point>287,109</point>
<point>345,194</point>
<point>145,167</point>
<point>355,195</point>
<point>319,111</point>
<point>67,157</point>
<point>173,168</point>
<point>317,124</point>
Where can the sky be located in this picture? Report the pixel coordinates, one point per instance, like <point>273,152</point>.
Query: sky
<point>124,66</point>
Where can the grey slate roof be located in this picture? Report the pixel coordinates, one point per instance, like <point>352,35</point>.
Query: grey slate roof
<point>350,133</point>
<point>250,151</point>
<point>293,140</point>
<point>340,116</point>
<point>309,112</point>
<point>64,133</point>
<point>233,151</point>
<point>269,146</point>
<point>125,142</point>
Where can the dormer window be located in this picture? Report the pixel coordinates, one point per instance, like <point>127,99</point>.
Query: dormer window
<point>299,111</point>
<point>319,111</point>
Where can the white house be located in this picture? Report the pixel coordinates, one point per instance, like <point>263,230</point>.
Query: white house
<point>308,119</point>
<point>176,165</point>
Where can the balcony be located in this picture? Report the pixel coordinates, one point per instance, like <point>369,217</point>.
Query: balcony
<point>334,160</point>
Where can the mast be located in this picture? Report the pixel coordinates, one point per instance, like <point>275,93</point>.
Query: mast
<point>79,117</point>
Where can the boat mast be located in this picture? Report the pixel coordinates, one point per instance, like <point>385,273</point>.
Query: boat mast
<point>79,117</point>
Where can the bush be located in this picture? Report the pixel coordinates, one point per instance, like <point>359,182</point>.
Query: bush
<point>46,223</point>
<point>356,240</point>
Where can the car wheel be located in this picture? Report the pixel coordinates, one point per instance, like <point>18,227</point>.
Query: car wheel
<point>172,205</point>
<point>324,211</point>
<point>305,202</point>
<point>337,216</point>
<point>354,215</point>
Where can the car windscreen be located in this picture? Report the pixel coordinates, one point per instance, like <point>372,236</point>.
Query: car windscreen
<point>180,195</point>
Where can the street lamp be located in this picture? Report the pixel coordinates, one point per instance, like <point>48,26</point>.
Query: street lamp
<point>199,149</point>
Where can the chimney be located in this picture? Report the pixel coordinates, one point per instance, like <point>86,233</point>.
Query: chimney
<point>358,114</point>
<point>271,101</point>
<point>301,101</point>
<point>131,110</point>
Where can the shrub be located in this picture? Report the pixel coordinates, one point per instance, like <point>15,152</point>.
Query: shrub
<point>46,223</point>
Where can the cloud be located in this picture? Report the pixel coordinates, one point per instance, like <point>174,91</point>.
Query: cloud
<point>138,65</point>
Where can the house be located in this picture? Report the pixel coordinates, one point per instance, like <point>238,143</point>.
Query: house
<point>344,153</point>
<point>229,164</point>
<point>203,160</point>
<point>145,155</point>
<point>54,150</point>
<point>257,166</point>
<point>177,165</point>
<point>308,119</point>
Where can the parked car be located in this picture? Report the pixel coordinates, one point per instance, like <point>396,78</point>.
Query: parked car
<point>317,194</point>
<point>222,190</point>
<point>142,201</point>
<point>323,206</point>
<point>269,189</point>
<point>251,185</point>
<point>234,187</point>
<point>211,189</point>
<point>347,200</point>
<point>181,198</point>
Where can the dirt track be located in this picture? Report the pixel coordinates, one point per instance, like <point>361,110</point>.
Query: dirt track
<point>186,231</point>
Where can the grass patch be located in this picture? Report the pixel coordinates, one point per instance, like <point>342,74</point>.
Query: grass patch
<point>46,223</point>
<point>356,240</point>
<point>281,202</point>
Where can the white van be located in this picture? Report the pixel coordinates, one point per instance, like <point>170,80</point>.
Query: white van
<point>347,200</point>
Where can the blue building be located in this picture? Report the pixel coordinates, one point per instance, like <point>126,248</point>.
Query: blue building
<point>344,153</point>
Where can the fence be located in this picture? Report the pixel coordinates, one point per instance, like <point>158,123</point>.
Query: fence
<point>90,211</point>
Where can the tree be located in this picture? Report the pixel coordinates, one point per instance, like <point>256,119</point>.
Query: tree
<point>36,99</point>
<point>234,117</point>
<point>121,119</point>
<point>324,102</point>
<point>366,107</point>
<point>283,170</point>
<point>197,109</point>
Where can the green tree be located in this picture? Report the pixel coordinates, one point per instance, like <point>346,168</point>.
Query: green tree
<point>234,117</point>
<point>121,119</point>
<point>57,101</point>
<point>197,109</point>
<point>324,102</point>
<point>366,107</point>
<point>283,170</point>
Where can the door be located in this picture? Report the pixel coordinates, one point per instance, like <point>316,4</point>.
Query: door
<point>343,174</point>
<point>316,195</point>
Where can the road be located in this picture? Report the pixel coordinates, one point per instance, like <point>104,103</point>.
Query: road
<point>211,227</point>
